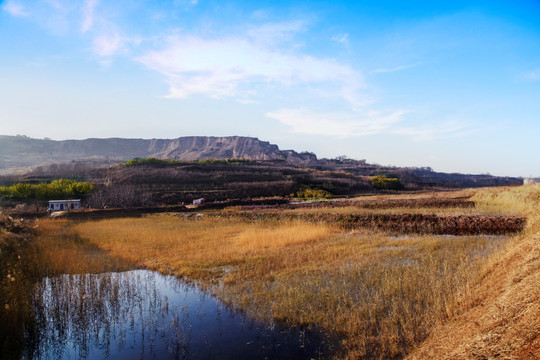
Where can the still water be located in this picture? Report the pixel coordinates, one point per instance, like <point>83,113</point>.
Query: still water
<point>142,314</point>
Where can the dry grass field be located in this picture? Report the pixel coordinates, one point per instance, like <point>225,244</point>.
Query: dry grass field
<point>499,319</point>
<point>381,294</point>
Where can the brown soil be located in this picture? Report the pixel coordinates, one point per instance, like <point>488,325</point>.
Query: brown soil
<point>403,223</point>
<point>381,204</point>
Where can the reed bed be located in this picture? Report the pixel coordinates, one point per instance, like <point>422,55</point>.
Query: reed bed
<point>380,294</point>
<point>499,319</point>
<point>27,256</point>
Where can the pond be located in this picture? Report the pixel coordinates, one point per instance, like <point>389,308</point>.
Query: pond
<point>142,314</point>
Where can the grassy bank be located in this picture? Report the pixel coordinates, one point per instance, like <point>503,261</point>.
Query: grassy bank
<point>499,319</point>
<point>381,294</point>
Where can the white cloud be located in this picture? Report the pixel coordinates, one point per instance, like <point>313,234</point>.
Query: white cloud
<point>275,33</point>
<point>57,4</point>
<point>108,44</point>
<point>230,66</point>
<point>185,3</point>
<point>88,15</point>
<point>431,132</point>
<point>14,9</point>
<point>342,39</point>
<point>533,75</point>
<point>393,69</point>
<point>342,125</point>
<point>363,123</point>
<point>111,42</point>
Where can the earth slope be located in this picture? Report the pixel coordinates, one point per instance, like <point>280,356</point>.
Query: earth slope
<point>499,316</point>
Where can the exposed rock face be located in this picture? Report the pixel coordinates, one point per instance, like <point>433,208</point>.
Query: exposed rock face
<point>21,152</point>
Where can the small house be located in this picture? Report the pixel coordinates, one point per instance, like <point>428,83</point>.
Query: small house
<point>198,201</point>
<point>60,205</point>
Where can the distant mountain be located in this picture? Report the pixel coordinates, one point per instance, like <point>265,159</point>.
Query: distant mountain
<point>21,153</point>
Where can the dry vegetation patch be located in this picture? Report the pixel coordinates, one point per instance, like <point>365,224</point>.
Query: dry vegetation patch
<point>499,319</point>
<point>404,223</point>
<point>380,294</point>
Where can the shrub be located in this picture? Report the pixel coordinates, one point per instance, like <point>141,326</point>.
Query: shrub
<point>309,193</point>
<point>148,161</point>
<point>383,182</point>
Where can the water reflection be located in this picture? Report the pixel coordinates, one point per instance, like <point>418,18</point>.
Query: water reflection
<point>141,314</point>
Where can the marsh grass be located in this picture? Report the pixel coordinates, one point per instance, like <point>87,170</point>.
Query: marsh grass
<point>380,294</point>
<point>499,319</point>
<point>26,258</point>
<point>60,251</point>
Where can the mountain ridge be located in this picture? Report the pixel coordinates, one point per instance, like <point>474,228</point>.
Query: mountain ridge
<point>22,152</point>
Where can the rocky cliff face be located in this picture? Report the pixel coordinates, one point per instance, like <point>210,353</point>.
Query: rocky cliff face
<point>21,152</point>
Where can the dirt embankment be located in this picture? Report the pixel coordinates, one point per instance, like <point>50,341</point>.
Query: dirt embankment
<point>15,238</point>
<point>401,223</point>
<point>374,204</point>
<point>499,316</point>
<point>501,320</point>
<point>11,228</point>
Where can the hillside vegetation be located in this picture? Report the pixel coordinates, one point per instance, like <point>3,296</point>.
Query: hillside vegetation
<point>20,154</point>
<point>156,182</point>
<point>56,189</point>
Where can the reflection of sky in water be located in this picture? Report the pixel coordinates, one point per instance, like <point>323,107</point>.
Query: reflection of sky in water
<point>144,315</point>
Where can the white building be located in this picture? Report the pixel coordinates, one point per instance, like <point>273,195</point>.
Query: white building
<point>59,205</point>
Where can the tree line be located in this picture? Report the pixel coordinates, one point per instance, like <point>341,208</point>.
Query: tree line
<point>56,189</point>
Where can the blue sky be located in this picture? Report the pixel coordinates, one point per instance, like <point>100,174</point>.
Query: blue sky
<point>453,85</point>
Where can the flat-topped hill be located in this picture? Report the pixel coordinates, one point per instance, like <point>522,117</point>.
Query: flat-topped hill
<point>18,153</point>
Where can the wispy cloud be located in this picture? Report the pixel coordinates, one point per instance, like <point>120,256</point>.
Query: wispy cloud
<point>107,44</point>
<point>533,75</point>
<point>275,33</point>
<point>392,69</point>
<point>111,42</point>
<point>14,9</point>
<point>364,123</point>
<point>88,15</point>
<point>342,39</point>
<point>436,131</point>
<point>343,125</point>
<point>229,66</point>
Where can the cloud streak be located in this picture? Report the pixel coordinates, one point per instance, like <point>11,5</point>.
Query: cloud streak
<point>391,70</point>
<point>436,131</point>
<point>88,15</point>
<point>533,75</point>
<point>342,39</point>
<point>14,9</point>
<point>364,123</point>
<point>343,125</point>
